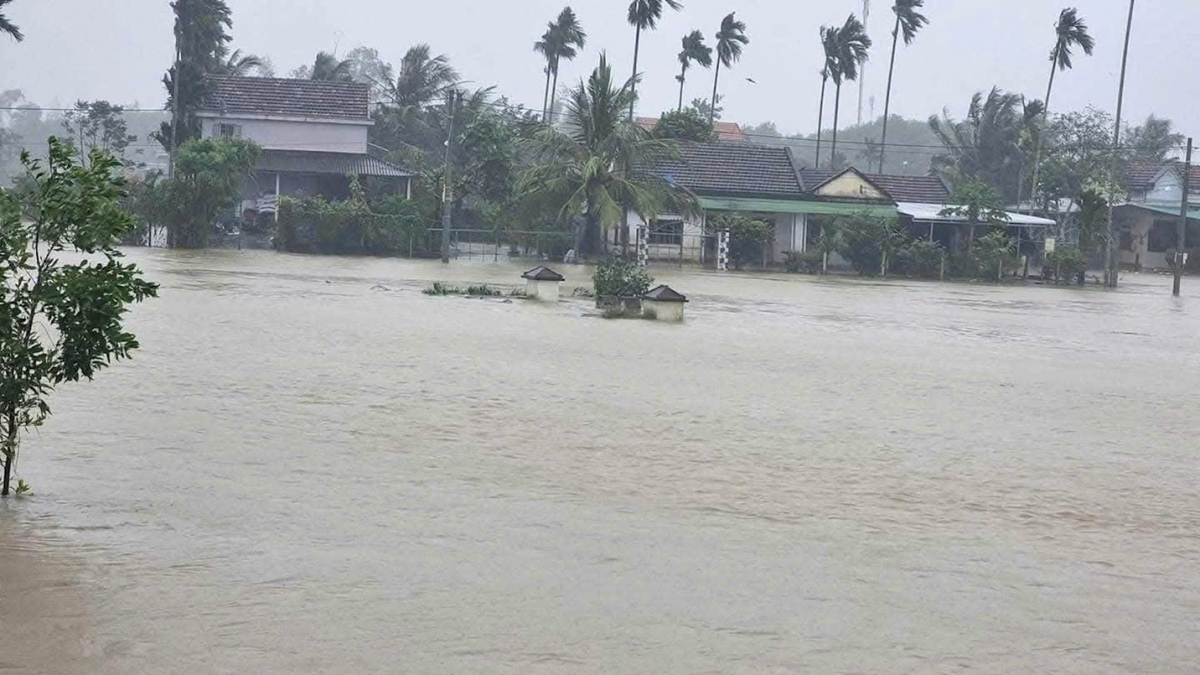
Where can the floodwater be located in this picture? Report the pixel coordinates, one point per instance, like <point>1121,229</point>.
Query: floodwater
<point>311,467</point>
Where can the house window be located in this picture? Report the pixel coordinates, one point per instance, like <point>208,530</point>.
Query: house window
<point>666,232</point>
<point>227,130</point>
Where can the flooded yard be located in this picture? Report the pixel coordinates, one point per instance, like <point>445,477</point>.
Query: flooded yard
<point>313,467</point>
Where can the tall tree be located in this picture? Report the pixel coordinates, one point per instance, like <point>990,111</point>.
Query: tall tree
<point>563,39</point>
<point>423,78</point>
<point>329,68</point>
<point>909,20</point>
<point>7,27</point>
<point>1112,255</point>
<point>595,162</point>
<point>97,125</point>
<point>694,51</point>
<point>60,320</point>
<point>644,15</point>
<point>830,49</point>
<point>986,145</point>
<point>730,40</point>
<point>853,48</point>
<point>1153,140</point>
<point>201,45</point>
<point>1070,32</point>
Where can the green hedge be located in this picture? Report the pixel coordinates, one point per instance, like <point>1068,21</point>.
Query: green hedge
<point>314,225</point>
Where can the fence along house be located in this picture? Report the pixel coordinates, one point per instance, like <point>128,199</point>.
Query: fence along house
<point>313,136</point>
<point>769,183</point>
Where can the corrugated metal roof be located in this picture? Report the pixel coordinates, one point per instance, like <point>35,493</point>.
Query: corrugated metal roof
<point>315,99</point>
<point>334,163</point>
<point>932,213</point>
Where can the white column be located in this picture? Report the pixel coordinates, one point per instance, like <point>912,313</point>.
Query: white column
<point>277,196</point>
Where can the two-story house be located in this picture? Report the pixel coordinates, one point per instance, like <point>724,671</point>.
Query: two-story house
<point>1149,218</point>
<point>313,136</point>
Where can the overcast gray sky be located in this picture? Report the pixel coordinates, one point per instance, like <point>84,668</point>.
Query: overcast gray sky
<point>118,49</point>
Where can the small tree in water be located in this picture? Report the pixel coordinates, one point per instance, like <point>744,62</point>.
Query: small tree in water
<point>60,321</point>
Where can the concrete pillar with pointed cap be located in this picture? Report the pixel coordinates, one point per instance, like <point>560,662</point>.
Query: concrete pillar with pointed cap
<point>664,303</point>
<point>542,284</point>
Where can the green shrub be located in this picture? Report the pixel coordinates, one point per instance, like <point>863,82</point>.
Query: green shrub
<point>920,258</point>
<point>1065,264</point>
<point>748,237</point>
<point>483,289</point>
<point>996,253</point>
<point>621,278</point>
<point>808,262</point>
<point>867,239</point>
<point>438,288</point>
<point>314,225</point>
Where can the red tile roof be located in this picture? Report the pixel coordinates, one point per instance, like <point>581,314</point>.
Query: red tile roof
<point>287,98</point>
<point>1141,176</point>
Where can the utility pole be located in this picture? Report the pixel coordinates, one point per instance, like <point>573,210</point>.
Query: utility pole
<point>1181,233</point>
<point>1112,253</point>
<point>447,191</point>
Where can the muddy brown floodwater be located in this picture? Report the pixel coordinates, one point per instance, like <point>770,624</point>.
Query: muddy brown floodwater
<point>311,467</point>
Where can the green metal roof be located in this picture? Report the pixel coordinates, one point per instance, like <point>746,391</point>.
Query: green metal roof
<point>795,206</point>
<point>1193,214</point>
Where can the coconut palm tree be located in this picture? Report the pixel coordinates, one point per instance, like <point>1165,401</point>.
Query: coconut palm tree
<point>7,26</point>
<point>423,79</point>
<point>1112,259</point>
<point>829,47</point>
<point>561,41</point>
<point>329,68</point>
<point>908,21</point>
<point>242,65</point>
<point>730,40</point>
<point>1070,32</point>
<point>590,162</point>
<point>644,15</point>
<point>694,51</point>
<point>986,145</point>
<point>853,47</point>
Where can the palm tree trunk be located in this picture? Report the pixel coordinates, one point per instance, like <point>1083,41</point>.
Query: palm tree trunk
<point>546,96</point>
<point>1037,153</point>
<point>887,99</point>
<point>1112,251</point>
<point>637,46</point>
<point>712,105</point>
<point>820,120</point>
<point>682,79</point>
<point>553,95</point>
<point>837,105</point>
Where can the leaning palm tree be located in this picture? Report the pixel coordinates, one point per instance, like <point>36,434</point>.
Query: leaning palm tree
<point>644,15</point>
<point>242,65</point>
<point>694,51</point>
<point>853,48</point>
<point>423,79</point>
<point>562,40</point>
<point>829,47</point>
<point>7,26</point>
<point>908,21</point>
<point>595,162</point>
<point>329,68</point>
<point>730,40</point>
<point>1070,32</point>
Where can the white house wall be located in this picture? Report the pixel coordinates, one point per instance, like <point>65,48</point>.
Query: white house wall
<point>313,136</point>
